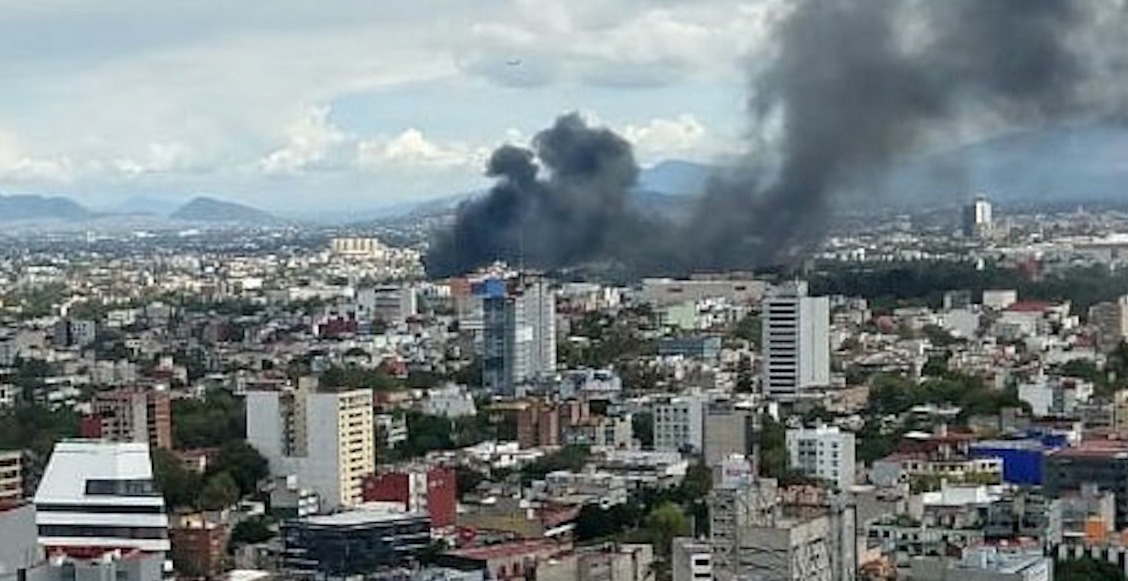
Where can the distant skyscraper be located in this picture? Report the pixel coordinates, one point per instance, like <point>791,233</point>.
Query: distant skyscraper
<point>796,341</point>
<point>325,438</point>
<point>977,221</point>
<point>519,331</point>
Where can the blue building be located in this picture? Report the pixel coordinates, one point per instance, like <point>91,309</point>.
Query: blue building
<point>1022,459</point>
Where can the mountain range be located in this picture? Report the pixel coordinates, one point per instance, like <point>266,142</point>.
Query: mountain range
<point>1084,162</point>
<point>18,208</point>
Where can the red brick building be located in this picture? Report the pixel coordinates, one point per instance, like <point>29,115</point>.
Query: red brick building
<point>131,415</point>
<point>434,490</point>
<point>543,423</point>
<point>199,547</point>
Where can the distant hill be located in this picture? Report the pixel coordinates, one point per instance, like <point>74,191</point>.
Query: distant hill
<point>24,207</point>
<point>1080,162</point>
<point>675,177</point>
<point>205,209</point>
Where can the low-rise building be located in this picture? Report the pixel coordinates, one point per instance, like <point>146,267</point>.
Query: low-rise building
<point>824,452</point>
<point>692,560</point>
<point>11,475</point>
<point>985,564</point>
<point>199,546</point>
<point>353,543</point>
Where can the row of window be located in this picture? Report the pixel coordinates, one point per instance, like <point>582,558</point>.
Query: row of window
<point>98,509</point>
<point>92,531</point>
<point>135,487</point>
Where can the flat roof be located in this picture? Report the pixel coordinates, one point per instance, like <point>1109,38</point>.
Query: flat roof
<point>360,517</point>
<point>73,462</point>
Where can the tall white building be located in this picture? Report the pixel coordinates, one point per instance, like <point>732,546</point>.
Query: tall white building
<point>796,341</point>
<point>325,438</point>
<point>678,424</point>
<point>823,452</point>
<point>519,331</point>
<point>98,496</point>
<point>977,221</point>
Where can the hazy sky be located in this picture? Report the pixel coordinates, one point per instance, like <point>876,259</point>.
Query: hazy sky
<point>307,104</point>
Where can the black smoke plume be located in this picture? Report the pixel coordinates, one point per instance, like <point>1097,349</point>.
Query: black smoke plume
<point>853,87</point>
<point>574,211</point>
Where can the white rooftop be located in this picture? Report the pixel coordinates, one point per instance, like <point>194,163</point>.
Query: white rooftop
<point>74,462</point>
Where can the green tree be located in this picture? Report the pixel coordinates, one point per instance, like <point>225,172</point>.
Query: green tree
<point>357,377</point>
<point>256,529</point>
<point>179,485</point>
<point>567,458</point>
<point>749,329</point>
<point>217,418</point>
<point>663,523</point>
<point>467,479</point>
<point>936,366</point>
<point>642,426</point>
<point>696,484</point>
<point>220,491</point>
<point>243,463</point>
<point>773,448</point>
<point>595,522</point>
<point>1087,569</point>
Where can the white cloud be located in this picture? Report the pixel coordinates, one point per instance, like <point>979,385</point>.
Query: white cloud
<point>159,158</point>
<point>412,149</point>
<point>661,138</point>
<point>18,166</point>
<point>310,141</point>
<point>624,43</point>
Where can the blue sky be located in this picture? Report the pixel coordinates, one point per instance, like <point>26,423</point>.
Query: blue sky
<point>297,105</point>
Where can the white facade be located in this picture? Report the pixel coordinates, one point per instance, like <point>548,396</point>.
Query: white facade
<point>678,424</point>
<point>326,439</point>
<point>449,401</point>
<point>796,341</point>
<point>100,495</point>
<point>692,560</point>
<point>998,300</point>
<point>823,452</point>
<point>1055,396</point>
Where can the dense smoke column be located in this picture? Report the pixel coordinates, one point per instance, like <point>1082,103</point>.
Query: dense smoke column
<point>858,83</point>
<point>853,88</point>
<point>576,212</point>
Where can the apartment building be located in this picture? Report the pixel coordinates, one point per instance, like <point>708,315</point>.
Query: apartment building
<point>131,415</point>
<point>823,452</point>
<point>11,475</point>
<point>326,438</point>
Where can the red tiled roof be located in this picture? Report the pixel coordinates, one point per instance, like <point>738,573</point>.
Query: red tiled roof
<point>504,550</point>
<point>1029,307</point>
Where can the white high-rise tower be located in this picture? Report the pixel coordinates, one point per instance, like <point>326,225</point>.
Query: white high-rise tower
<point>796,341</point>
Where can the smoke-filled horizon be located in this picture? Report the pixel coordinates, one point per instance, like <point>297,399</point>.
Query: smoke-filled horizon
<point>855,85</point>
